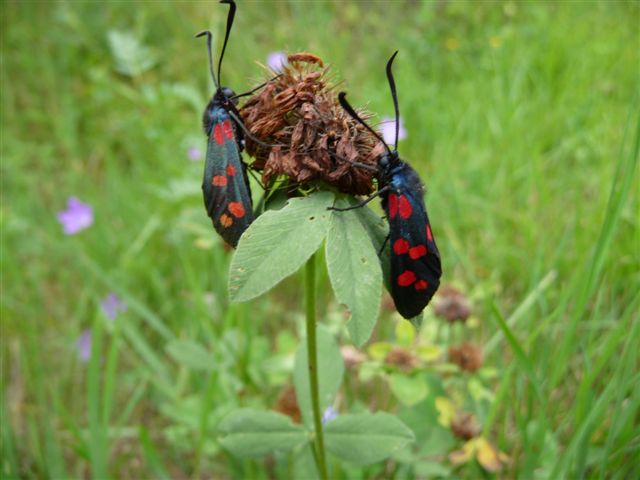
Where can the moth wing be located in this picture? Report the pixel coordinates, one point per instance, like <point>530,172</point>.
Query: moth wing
<point>415,259</point>
<point>225,188</point>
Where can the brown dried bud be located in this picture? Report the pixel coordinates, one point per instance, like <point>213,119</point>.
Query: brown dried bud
<point>287,404</point>
<point>352,356</point>
<point>452,305</point>
<point>314,138</point>
<point>401,358</point>
<point>465,426</point>
<point>467,356</point>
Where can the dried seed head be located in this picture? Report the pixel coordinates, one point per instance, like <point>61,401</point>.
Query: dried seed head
<point>452,305</point>
<point>401,358</point>
<point>467,356</point>
<point>465,426</point>
<point>315,139</point>
<point>287,404</point>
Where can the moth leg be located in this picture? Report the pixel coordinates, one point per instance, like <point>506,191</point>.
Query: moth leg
<point>240,95</point>
<point>362,203</point>
<point>259,208</point>
<point>384,244</point>
<point>255,176</point>
<point>355,164</point>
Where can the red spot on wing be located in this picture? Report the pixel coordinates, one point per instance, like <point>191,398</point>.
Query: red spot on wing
<point>421,285</point>
<point>225,220</point>
<point>227,128</point>
<point>219,181</point>
<point>217,134</point>
<point>393,205</point>
<point>236,209</point>
<point>417,252</point>
<point>231,170</point>
<point>429,235</point>
<point>400,246</point>
<point>404,207</point>
<point>406,278</point>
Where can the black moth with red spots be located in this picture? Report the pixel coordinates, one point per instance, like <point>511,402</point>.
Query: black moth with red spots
<point>415,259</point>
<point>225,186</point>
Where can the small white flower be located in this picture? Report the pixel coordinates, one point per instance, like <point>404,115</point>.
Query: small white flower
<point>388,129</point>
<point>329,414</point>
<point>277,61</point>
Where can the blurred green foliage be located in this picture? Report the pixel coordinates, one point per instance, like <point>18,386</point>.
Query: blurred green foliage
<point>522,119</point>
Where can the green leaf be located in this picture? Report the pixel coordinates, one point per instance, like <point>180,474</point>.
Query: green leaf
<point>379,350</point>
<point>277,244</point>
<point>408,389</point>
<point>304,465</point>
<point>366,438</point>
<point>190,354</point>
<point>330,372</point>
<point>405,334</point>
<point>354,271</point>
<point>431,437</point>
<point>98,439</point>
<point>478,391</point>
<point>151,456</point>
<point>254,433</point>
<point>378,230</point>
<point>431,470</point>
<point>429,352</point>
<point>417,320</point>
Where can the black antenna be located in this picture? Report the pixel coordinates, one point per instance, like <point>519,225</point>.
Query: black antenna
<point>394,95</point>
<point>343,101</point>
<point>208,34</point>
<point>232,13</point>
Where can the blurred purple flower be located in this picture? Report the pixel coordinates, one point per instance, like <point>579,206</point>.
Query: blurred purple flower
<point>276,61</point>
<point>329,414</point>
<point>76,217</point>
<point>194,153</point>
<point>83,346</point>
<point>388,129</point>
<point>111,305</point>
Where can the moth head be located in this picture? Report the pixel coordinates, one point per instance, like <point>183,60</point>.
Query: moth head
<point>387,160</point>
<point>226,95</point>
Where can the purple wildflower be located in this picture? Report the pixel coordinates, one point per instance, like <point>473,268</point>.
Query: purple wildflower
<point>329,414</point>
<point>111,305</point>
<point>83,346</point>
<point>76,217</point>
<point>388,128</point>
<point>194,153</point>
<point>276,61</point>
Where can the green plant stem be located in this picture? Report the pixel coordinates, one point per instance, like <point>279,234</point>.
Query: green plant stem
<point>310,288</point>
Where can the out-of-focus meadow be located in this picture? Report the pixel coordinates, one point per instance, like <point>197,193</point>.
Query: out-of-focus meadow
<point>522,119</point>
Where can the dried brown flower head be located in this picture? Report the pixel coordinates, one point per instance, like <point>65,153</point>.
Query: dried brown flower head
<point>314,138</point>
<point>401,358</point>
<point>467,356</point>
<point>452,305</point>
<point>465,426</point>
<point>287,404</point>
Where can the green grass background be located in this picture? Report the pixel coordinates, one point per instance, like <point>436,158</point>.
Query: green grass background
<point>522,119</point>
